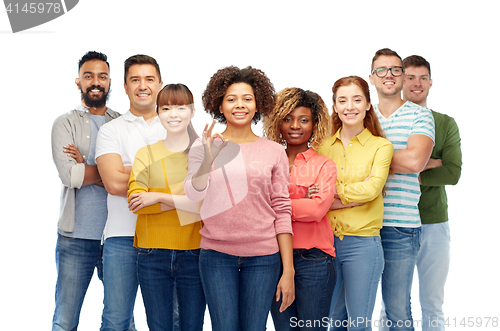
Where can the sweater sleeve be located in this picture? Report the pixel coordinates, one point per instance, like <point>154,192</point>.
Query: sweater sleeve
<point>139,180</point>
<point>196,154</point>
<point>369,189</point>
<point>280,198</point>
<point>314,209</point>
<point>449,173</point>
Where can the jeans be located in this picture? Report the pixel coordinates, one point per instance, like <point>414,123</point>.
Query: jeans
<point>164,273</point>
<point>76,260</point>
<point>401,246</point>
<point>314,282</point>
<point>433,262</point>
<point>360,261</point>
<point>120,283</point>
<point>239,289</point>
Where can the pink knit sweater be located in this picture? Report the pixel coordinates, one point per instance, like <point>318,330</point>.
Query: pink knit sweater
<point>246,202</point>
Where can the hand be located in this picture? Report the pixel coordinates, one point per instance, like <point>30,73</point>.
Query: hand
<point>285,289</point>
<point>137,201</point>
<point>208,141</point>
<point>312,191</point>
<point>73,152</point>
<point>433,163</point>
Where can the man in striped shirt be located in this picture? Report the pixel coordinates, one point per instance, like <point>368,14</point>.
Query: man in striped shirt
<point>410,128</point>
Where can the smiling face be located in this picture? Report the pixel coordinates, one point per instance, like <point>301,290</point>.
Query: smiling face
<point>238,105</point>
<point>351,106</point>
<point>389,85</point>
<point>297,127</point>
<point>174,118</point>
<point>93,81</point>
<point>142,86</point>
<point>417,84</point>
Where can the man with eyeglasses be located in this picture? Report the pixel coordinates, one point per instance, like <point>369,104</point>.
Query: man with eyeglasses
<point>410,128</point>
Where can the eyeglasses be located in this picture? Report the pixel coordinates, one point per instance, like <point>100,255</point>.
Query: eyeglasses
<point>382,72</point>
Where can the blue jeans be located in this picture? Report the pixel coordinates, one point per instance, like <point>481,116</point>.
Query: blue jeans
<point>360,261</point>
<point>76,260</point>
<point>120,283</point>
<point>163,272</point>
<point>314,282</point>
<point>401,246</point>
<point>433,263</point>
<point>239,289</point>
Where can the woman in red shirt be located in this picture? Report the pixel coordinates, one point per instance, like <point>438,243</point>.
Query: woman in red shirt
<point>300,121</point>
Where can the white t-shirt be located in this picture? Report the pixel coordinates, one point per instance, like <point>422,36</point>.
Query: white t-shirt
<point>124,136</point>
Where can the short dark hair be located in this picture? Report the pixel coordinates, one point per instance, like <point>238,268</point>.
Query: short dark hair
<point>141,59</point>
<point>92,55</point>
<point>416,61</point>
<point>262,87</point>
<point>385,52</point>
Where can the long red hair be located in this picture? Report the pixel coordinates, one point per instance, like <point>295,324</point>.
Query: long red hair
<point>371,121</point>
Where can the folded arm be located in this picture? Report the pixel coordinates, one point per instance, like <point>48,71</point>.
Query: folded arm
<point>114,174</point>
<point>414,157</point>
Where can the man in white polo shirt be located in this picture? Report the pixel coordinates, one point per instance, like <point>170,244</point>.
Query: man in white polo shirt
<point>410,128</point>
<point>117,144</point>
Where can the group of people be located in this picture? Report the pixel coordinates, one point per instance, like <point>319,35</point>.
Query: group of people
<point>303,222</point>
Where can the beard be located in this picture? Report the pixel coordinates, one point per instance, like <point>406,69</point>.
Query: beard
<point>92,102</point>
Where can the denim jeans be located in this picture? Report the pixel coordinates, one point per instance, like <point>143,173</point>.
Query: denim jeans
<point>239,289</point>
<point>160,270</point>
<point>433,263</point>
<point>401,246</point>
<point>360,261</point>
<point>76,260</point>
<point>120,280</point>
<point>314,282</point>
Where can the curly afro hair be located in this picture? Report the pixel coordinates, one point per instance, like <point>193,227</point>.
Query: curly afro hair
<point>289,99</point>
<point>262,87</point>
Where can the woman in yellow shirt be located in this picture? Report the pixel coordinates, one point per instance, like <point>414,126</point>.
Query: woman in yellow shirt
<point>363,157</point>
<point>167,229</point>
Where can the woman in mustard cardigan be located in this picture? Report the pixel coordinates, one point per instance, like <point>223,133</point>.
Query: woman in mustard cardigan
<point>168,225</point>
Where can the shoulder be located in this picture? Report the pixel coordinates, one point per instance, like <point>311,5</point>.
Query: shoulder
<point>321,159</point>
<point>326,145</point>
<point>113,114</point>
<point>381,141</point>
<point>69,118</point>
<point>440,117</point>
<point>268,144</point>
<point>417,110</point>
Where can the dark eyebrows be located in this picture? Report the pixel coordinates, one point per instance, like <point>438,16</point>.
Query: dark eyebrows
<point>92,73</point>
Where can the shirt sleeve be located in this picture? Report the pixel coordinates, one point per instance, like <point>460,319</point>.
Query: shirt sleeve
<point>196,155</point>
<point>449,173</point>
<point>139,180</point>
<point>368,190</point>
<point>70,172</point>
<point>424,123</point>
<point>314,209</point>
<point>107,141</point>
<point>280,197</point>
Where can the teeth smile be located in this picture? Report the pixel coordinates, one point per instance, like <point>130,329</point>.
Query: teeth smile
<point>142,95</point>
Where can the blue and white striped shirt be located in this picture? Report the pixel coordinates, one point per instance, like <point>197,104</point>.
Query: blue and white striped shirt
<point>403,190</point>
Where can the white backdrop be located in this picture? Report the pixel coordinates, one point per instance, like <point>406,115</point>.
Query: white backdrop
<point>297,43</point>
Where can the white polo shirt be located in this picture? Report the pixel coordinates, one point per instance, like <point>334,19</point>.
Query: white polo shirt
<point>124,136</point>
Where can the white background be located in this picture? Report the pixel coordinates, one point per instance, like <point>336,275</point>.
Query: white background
<point>304,44</point>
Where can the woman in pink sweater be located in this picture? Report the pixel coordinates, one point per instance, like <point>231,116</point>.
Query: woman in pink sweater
<point>244,182</point>
<point>300,121</point>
